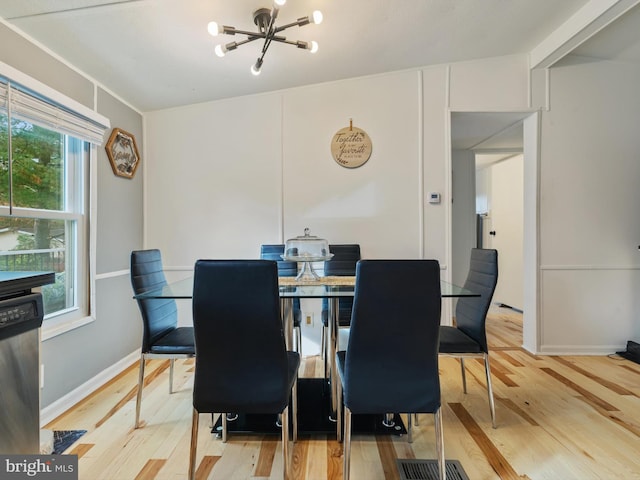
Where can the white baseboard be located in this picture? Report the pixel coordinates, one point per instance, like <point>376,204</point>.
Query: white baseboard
<point>579,350</point>
<point>57,408</point>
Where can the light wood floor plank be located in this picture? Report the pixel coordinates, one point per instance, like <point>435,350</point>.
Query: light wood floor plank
<point>299,459</point>
<point>582,391</point>
<point>562,417</point>
<point>493,455</point>
<point>508,403</point>
<point>388,457</point>
<point>265,458</point>
<point>150,469</point>
<point>206,465</point>
<point>80,449</point>
<point>620,390</point>
<point>334,460</point>
<point>506,356</point>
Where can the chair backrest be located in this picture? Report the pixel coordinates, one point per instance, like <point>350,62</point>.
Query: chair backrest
<point>345,257</point>
<point>471,312</point>
<point>159,316</point>
<point>392,356</point>
<point>286,268</point>
<point>241,358</point>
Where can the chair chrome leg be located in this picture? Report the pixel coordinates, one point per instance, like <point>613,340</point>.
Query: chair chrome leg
<point>224,427</point>
<point>285,442</point>
<point>464,375</point>
<point>294,404</point>
<point>286,306</point>
<point>299,340</point>
<point>339,412</point>
<point>346,466</point>
<point>409,429</point>
<point>171,363</point>
<point>140,386</point>
<point>492,406</point>
<point>194,443</point>
<point>388,420</point>
<point>415,418</point>
<point>442,467</point>
<point>324,347</point>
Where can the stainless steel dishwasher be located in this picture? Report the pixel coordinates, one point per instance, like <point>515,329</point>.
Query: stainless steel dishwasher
<point>21,315</point>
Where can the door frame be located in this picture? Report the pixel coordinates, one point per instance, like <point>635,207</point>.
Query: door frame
<point>531,236</point>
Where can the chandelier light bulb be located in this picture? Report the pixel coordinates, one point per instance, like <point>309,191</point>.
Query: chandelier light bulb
<point>314,46</point>
<point>213,29</point>
<point>220,51</point>
<point>255,70</point>
<point>317,17</point>
<point>280,2</point>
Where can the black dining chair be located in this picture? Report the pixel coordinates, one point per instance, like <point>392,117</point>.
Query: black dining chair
<point>242,364</point>
<point>161,336</point>
<point>391,361</point>
<point>286,268</point>
<point>343,263</point>
<point>468,338</point>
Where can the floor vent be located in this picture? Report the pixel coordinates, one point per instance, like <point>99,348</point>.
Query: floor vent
<point>428,470</point>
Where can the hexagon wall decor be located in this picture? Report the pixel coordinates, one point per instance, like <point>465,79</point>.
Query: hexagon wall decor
<point>123,153</point>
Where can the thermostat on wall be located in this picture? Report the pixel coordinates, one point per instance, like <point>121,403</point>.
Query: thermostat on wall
<point>434,197</point>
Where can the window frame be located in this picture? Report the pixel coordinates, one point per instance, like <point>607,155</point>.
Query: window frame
<point>84,196</point>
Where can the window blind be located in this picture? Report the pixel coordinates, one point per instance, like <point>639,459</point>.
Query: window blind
<point>3,95</point>
<point>34,108</point>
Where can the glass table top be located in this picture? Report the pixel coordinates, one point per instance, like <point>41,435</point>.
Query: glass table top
<point>183,289</point>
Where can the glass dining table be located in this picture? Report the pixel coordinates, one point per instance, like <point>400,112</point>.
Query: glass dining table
<point>330,287</point>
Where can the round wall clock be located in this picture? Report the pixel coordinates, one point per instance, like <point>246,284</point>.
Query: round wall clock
<point>351,147</point>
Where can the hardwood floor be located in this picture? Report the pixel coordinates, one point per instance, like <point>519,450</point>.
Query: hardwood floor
<point>558,417</point>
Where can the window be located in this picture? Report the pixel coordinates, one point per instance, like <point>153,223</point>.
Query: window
<point>45,158</point>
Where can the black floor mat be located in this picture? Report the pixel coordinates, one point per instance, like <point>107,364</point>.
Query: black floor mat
<point>314,406</point>
<point>63,439</point>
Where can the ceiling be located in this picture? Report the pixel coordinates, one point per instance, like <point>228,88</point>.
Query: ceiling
<point>157,54</point>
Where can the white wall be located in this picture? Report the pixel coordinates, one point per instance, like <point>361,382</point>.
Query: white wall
<point>214,179</point>
<point>376,205</point>
<point>463,228</point>
<point>589,198</point>
<point>224,177</point>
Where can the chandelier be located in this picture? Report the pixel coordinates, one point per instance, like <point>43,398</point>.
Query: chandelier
<point>265,20</point>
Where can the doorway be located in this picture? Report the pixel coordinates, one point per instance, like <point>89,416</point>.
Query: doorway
<point>492,154</point>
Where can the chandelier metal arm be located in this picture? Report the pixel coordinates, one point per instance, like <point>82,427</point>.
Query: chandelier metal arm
<point>270,33</point>
<point>257,35</point>
<point>297,43</point>
<point>233,45</point>
<point>252,37</point>
<point>298,23</point>
<point>267,42</point>
<point>249,34</point>
<point>272,21</point>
